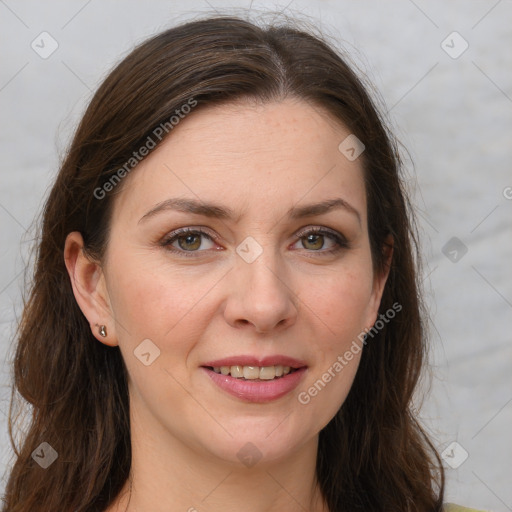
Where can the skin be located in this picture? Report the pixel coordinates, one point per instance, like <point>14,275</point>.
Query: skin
<point>295,299</point>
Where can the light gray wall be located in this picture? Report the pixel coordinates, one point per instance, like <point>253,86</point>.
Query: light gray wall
<point>453,114</point>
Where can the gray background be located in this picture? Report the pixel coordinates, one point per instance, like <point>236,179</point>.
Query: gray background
<point>453,114</point>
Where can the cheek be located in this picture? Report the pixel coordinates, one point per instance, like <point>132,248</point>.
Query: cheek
<point>344,311</point>
<point>153,299</point>
<point>330,381</point>
<point>158,304</point>
<point>342,301</point>
<point>171,308</point>
<point>341,305</point>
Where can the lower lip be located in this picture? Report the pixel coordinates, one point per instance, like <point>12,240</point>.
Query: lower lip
<point>256,390</point>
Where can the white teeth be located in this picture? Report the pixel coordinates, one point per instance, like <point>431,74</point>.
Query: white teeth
<point>237,371</point>
<point>253,372</point>
<point>267,373</point>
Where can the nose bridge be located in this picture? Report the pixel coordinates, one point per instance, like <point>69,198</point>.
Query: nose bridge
<point>261,263</point>
<point>260,295</point>
<point>263,276</point>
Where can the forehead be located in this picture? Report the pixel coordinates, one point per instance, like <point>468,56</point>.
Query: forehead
<point>249,156</point>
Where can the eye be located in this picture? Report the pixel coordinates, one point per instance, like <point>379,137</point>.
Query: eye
<point>188,240</point>
<point>321,240</point>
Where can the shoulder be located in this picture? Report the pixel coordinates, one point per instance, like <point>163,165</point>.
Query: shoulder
<point>451,507</point>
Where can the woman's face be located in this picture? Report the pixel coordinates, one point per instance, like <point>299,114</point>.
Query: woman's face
<point>241,242</point>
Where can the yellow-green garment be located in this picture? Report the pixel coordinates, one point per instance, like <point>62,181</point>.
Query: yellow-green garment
<point>450,507</point>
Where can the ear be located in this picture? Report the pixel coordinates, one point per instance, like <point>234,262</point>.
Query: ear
<point>380,278</point>
<point>89,287</point>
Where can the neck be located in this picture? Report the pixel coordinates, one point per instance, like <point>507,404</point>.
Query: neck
<point>171,476</point>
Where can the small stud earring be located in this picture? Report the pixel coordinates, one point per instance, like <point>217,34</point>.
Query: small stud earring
<point>103,331</point>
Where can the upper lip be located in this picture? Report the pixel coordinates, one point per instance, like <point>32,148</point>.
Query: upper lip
<point>247,360</point>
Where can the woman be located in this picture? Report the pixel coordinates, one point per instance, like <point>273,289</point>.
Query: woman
<point>225,310</point>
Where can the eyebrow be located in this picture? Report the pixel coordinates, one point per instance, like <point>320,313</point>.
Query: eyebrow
<point>311,210</point>
<point>221,212</point>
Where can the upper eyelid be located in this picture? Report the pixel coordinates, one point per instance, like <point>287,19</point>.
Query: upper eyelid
<point>194,230</point>
<point>207,232</point>
<point>319,229</point>
<point>336,235</point>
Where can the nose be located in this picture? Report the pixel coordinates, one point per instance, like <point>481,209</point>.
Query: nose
<point>261,295</point>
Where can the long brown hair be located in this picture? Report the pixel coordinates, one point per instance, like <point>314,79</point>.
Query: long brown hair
<point>373,455</point>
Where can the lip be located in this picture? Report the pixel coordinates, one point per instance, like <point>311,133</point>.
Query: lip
<point>247,360</point>
<point>256,391</point>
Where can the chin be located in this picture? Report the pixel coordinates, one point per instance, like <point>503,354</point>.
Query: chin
<point>255,450</point>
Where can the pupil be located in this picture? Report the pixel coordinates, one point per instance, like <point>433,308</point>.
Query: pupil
<point>314,241</point>
<point>190,242</point>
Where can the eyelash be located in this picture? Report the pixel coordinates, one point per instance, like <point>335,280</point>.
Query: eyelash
<point>340,241</point>
<point>173,236</point>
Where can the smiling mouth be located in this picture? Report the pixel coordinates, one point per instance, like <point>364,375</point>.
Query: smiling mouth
<point>254,373</point>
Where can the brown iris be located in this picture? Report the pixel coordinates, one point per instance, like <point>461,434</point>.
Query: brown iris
<point>314,241</point>
<point>189,242</point>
